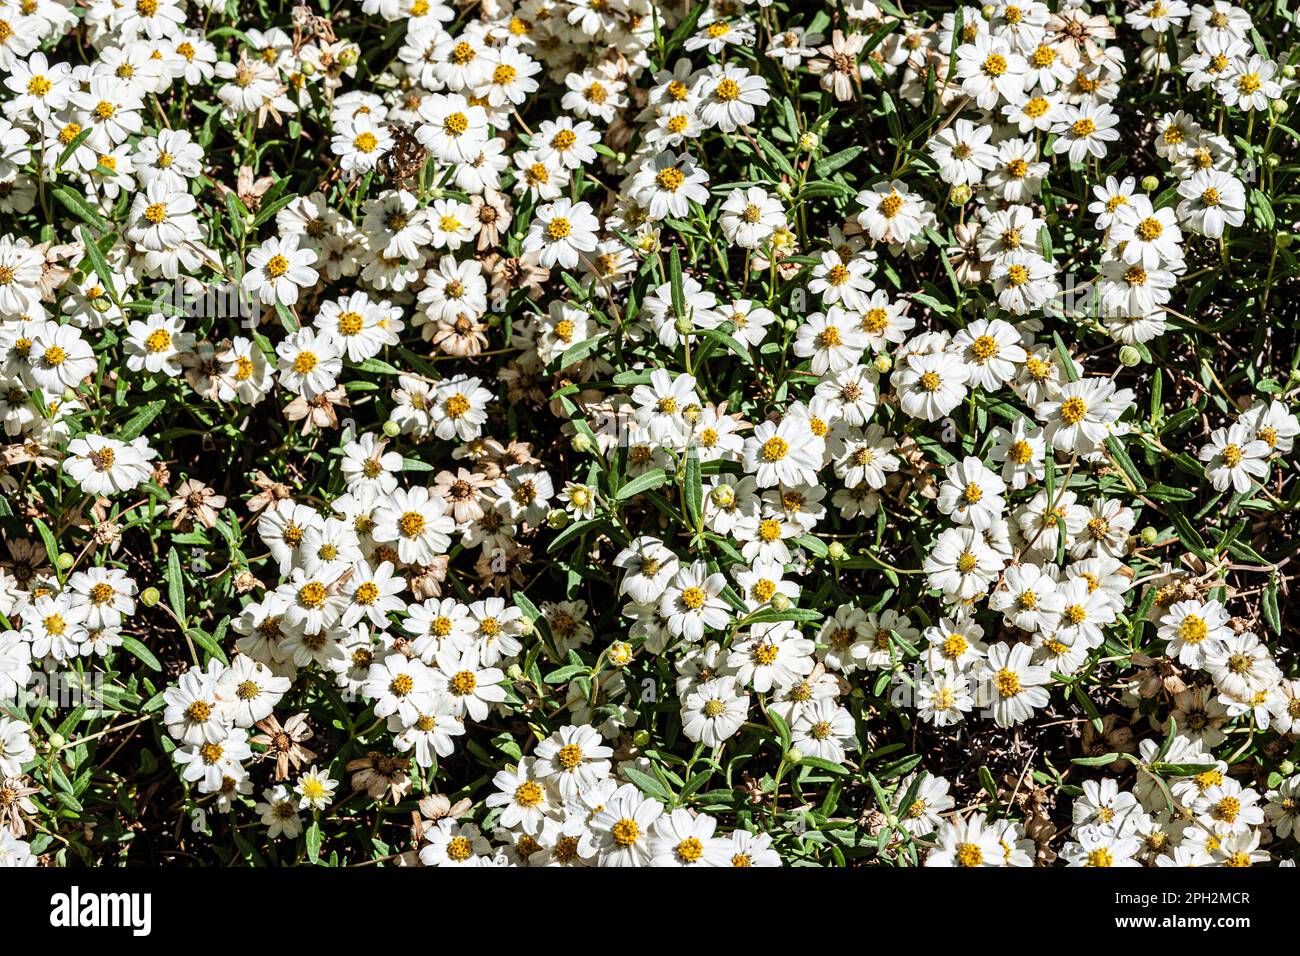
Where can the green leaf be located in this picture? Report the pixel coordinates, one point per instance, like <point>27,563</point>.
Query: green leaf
<point>694,489</point>
<point>79,207</point>
<point>175,584</point>
<point>142,653</point>
<point>314,841</point>
<point>647,784</point>
<point>141,420</point>
<point>651,479</point>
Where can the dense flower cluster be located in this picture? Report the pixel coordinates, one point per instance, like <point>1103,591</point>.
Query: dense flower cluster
<point>600,432</point>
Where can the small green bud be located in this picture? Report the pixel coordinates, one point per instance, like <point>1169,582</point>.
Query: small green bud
<point>581,443</point>
<point>1149,535</point>
<point>1150,183</point>
<point>392,429</point>
<point>1286,768</point>
<point>793,756</point>
<point>1272,161</point>
<point>149,597</point>
<point>883,363</point>
<point>1284,240</point>
<point>557,519</point>
<point>69,394</point>
<point>515,672</point>
<point>1288,71</point>
<point>1278,106</point>
<point>780,602</point>
<point>959,195</point>
<point>723,496</point>
<point>641,738</point>
<point>56,741</point>
<point>784,191</point>
<point>65,561</point>
<point>683,325</point>
<point>835,551</point>
<point>1130,356</point>
<point>790,325</point>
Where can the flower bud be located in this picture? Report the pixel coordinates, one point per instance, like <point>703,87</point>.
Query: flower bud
<point>683,325</point>
<point>1278,107</point>
<point>835,551</point>
<point>56,741</point>
<point>959,195</point>
<point>1149,535</point>
<point>1286,768</point>
<point>149,597</point>
<point>808,142</point>
<point>784,191</point>
<point>723,496</point>
<point>793,756</point>
<point>641,738</point>
<point>790,325</point>
<point>557,519</point>
<point>620,653</point>
<point>580,443</point>
<point>65,561</point>
<point>1284,240</point>
<point>1150,183</point>
<point>392,429</point>
<point>515,672</point>
<point>780,602</point>
<point>883,363</point>
<point>1129,356</point>
<point>1289,71</point>
<point>1272,161</point>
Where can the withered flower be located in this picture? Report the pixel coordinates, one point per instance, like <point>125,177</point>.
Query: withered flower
<point>317,412</point>
<point>378,775</point>
<point>284,743</point>
<point>195,501</point>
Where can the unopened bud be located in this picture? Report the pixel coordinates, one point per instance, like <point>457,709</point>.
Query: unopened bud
<point>557,519</point>
<point>835,551</point>
<point>56,741</point>
<point>65,561</point>
<point>724,496</point>
<point>641,738</point>
<point>392,429</point>
<point>784,191</point>
<point>780,602</point>
<point>1130,356</point>
<point>683,325</point>
<point>1149,535</point>
<point>580,443</point>
<point>793,756</point>
<point>620,653</point>
<point>790,325</point>
<point>149,597</point>
<point>1286,768</point>
<point>1278,107</point>
<point>883,363</point>
<point>1284,240</point>
<point>959,195</point>
<point>1150,183</point>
